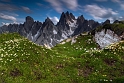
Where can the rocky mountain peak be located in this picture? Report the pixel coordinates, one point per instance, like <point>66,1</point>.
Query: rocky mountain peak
<point>106,22</point>
<point>80,19</point>
<point>29,19</point>
<point>118,22</point>
<point>48,21</point>
<point>66,17</point>
<point>62,18</point>
<point>69,16</point>
<point>72,16</point>
<point>67,13</point>
<point>28,24</point>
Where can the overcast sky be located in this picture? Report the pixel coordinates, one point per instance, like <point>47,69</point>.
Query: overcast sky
<point>15,11</point>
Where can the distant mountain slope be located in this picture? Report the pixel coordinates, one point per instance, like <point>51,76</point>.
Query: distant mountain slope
<point>48,34</point>
<point>74,60</point>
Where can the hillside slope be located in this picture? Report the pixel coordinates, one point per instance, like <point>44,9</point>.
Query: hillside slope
<point>76,60</point>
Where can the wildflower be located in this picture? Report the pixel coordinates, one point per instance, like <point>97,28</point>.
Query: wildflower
<point>110,80</point>
<point>104,75</point>
<point>0,59</point>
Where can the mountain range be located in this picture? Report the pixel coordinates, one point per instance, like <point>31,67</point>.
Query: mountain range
<point>48,34</point>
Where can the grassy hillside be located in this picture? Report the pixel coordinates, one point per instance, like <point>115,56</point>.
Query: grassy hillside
<point>22,61</point>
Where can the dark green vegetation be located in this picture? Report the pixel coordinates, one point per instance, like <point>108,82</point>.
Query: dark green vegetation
<point>22,61</point>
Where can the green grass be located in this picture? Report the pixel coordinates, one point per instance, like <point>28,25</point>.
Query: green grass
<point>22,61</point>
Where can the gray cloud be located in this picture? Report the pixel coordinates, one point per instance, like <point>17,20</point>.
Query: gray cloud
<point>117,18</point>
<point>5,0</point>
<point>7,17</point>
<point>7,7</point>
<point>12,19</point>
<point>10,7</point>
<point>101,0</point>
<point>26,9</point>
<point>99,13</point>
<point>120,2</point>
<point>59,5</point>
<point>10,13</point>
<point>71,4</point>
<point>39,4</point>
<point>56,5</point>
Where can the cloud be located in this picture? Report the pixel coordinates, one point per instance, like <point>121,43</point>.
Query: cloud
<point>39,4</point>
<point>26,9</point>
<point>55,20</point>
<point>8,7</point>
<point>7,17</point>
<point>18,21</point>
<point>3,23</point>
<point>59,5</point>
<point>101,0</point>
<point>122,6</point>
<point>10,13</point>
<point>118,1</point>
<point>5,0</point>
<point>10,18</point>
<point>99,12</point>
<point>56,5</point>
<point>71,4</point>
<point>11,8</point>
<point>117,18</point>
<point>121,3</point>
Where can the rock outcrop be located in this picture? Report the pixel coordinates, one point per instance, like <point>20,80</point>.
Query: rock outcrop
<point>108,34</point>
<point>105,38</point>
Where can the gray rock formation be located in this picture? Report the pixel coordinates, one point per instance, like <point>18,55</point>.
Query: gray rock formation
<point>85,25</point>
<point>105,38</point>
<point>108,34</point>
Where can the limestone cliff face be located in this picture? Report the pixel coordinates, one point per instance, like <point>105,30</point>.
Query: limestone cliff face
<point>106,37</point>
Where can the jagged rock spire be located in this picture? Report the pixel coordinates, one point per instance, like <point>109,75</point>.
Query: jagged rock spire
<point>29,19</point>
